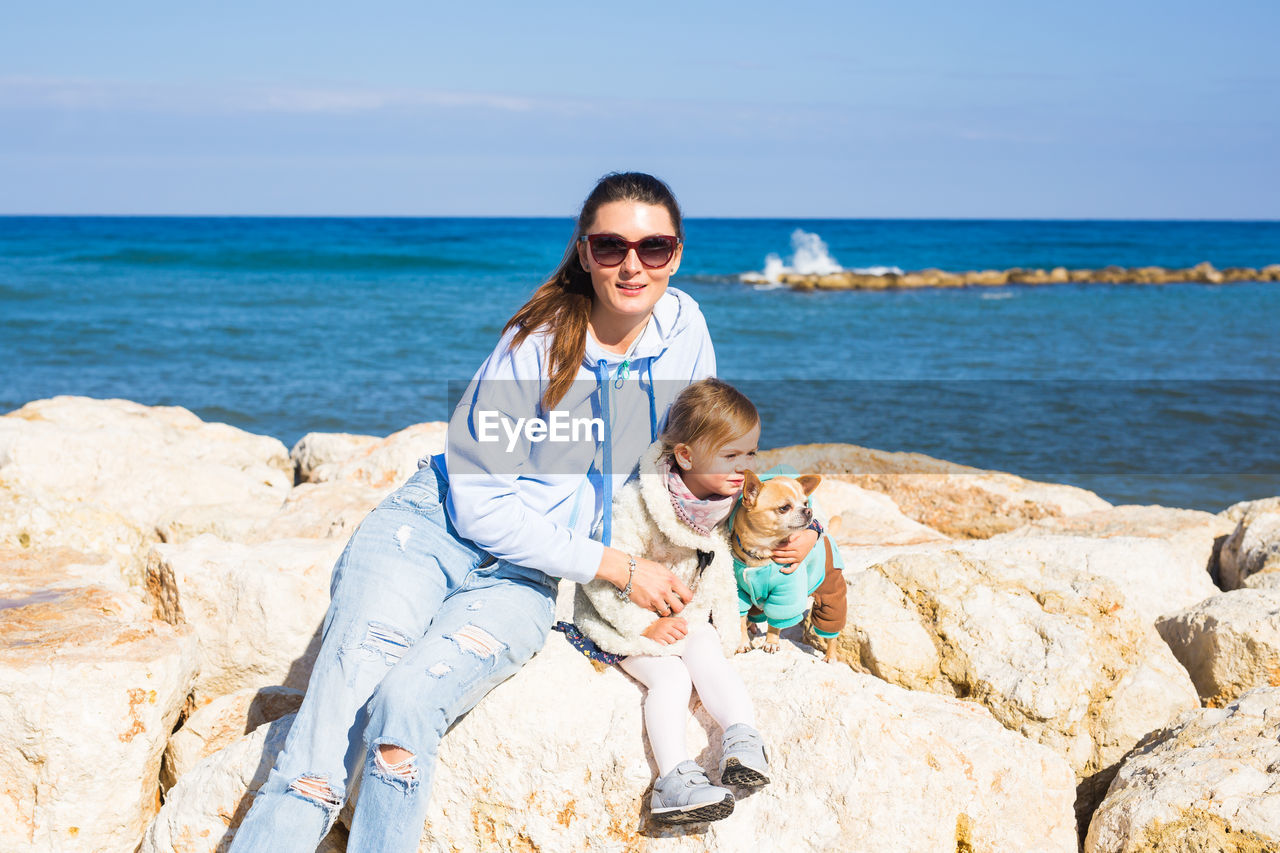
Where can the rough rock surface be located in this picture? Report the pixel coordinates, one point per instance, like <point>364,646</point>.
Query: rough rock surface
<point>211,799</point>
<point>90,689</point>
<point>1156,575</point>
<point>1229,644</point>
<point>44,522</point>
<point>869,517</point>
<point>1207,783</point>
<point>911,771</point>
<point>319,511</point>
<point>1055,653</point>
<point>219,723</point>
<point>322,448</point>
<point>1237,511</point>
<point>385,463</point>
<point>955,500</point>
<point>257,609</point>
<point>26,572</point>
<point>1203,272</point>
<point>108,475</point>
<point>1196,535</point>
<point>1253,548</point>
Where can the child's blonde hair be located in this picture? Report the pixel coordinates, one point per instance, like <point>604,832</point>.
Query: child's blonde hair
<point>708,414</point>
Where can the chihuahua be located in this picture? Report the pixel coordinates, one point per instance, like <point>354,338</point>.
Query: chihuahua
<point>772,511</point>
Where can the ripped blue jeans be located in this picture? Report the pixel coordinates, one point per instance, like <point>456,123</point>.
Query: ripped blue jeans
<point>421,625</point>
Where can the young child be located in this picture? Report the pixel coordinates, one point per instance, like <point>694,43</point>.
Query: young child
<point>673,514</point>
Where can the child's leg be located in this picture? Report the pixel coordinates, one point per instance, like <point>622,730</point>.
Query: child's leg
<point>719,686</point>
<point>743,760</point>
<point>666,705</point>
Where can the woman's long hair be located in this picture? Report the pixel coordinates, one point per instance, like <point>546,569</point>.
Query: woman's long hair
<point>562,304</point>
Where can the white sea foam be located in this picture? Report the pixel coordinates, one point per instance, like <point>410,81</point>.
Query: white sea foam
<point>809,256</point>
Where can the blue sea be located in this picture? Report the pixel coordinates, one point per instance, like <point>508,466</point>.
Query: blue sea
<point>1146,394</point>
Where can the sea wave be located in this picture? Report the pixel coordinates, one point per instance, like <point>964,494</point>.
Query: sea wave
<point>809,256</point>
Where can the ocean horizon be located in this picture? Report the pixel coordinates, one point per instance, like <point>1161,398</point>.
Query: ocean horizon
<point>288,325</point>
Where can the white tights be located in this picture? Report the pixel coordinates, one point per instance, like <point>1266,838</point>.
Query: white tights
<point>669,679</point>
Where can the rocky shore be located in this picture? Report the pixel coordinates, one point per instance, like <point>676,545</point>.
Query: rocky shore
<point>1204,273</point>
<point>1026,667</point>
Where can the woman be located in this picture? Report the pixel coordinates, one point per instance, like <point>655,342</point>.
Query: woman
<point>448,587</point>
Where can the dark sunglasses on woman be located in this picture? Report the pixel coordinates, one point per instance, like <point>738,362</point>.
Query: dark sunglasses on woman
<point>609,250</point>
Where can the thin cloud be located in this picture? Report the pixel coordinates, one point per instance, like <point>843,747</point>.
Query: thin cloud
<point>83,94</point>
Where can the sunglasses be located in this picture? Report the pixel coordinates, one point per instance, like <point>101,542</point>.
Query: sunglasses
<point>609,250</point>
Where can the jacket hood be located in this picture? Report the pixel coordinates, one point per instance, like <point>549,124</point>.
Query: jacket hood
<point>674,313</point>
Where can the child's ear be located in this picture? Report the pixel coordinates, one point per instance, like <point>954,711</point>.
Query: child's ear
<point>809,482</point>
<point>750,489</point>
<point>682,455</point>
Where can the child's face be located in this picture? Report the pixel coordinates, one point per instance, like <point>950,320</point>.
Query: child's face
<point>718,471</point>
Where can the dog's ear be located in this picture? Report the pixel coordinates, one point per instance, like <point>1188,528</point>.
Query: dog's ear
<point>809,482</point>
<point>750,489</point>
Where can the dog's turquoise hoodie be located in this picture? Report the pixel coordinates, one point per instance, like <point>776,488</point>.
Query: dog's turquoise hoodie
<point>766,594</point>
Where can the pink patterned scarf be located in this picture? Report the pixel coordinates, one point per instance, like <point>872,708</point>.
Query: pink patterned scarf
<point>701,515</point>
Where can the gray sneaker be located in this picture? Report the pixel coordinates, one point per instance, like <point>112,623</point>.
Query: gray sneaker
<point>686,795</point>
<point>743,760</point>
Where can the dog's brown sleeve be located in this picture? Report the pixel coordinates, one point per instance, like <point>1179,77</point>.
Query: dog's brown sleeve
<point>830,599</point>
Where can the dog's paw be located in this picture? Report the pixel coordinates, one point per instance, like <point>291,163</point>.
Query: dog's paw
<point>770,646</point>
<point>744,647</point>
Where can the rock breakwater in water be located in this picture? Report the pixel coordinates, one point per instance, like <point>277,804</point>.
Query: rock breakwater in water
<point>1024,663</point>
<point>1204,273</point>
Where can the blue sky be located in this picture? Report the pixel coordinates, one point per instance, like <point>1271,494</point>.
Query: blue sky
<point>812,109</point>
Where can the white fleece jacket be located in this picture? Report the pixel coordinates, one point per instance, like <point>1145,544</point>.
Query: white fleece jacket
<point>646,525</point>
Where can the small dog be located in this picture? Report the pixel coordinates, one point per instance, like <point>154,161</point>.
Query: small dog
<point>771,511</point>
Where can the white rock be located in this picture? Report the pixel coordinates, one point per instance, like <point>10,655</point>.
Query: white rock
<point>956,500</point>
<point>319,511</point>
<point>387,463</point>
<point>322,448</point>
<point>90,689</point>
<point>886,637</point>
<point>1237,511</point>
<point>1265,580</point>
<point>47,522</point>
<point>1156,576</point>
<point>115,470</point>
<point>1195,535</point>
<point>1206,783</point>
<point>203,809</point>
<point>224,720</point>
<point>857,764</point>
<point>44,571</point>
<point>1229,644</point>
<point>257,609</point>
<point>868,517</point>
<point>1054,652</point>
<point>1253,548</point>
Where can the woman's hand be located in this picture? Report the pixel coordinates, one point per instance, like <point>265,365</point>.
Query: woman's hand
<point>795,549</point>
<point>667,630</point>
<point>653,586</point>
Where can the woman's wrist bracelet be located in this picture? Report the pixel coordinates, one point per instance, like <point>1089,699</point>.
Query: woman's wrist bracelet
<point>625,592</point>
